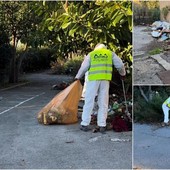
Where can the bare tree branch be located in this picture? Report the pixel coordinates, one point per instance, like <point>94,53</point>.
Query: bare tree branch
<point>143,94</point>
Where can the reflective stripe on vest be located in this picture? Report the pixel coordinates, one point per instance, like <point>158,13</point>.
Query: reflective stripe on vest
<point>101,65</point>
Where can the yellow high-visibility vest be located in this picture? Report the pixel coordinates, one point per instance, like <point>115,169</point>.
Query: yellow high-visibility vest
<point>101,65</point>
<point>167,102</point>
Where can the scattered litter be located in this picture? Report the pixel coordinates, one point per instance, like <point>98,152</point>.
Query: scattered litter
<point>155,34</point>
<point>71,141</point>
<point>60,86</point>
<point>120,140</point>
<point>94,139</point>
<point>160,30</point>
<point>163,38</point>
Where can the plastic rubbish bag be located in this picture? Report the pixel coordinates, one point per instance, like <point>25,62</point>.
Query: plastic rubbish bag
<point>63,108</point>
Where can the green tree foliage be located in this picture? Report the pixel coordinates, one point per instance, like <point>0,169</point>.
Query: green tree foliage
<point>150,4</point>
<point>20,23</point>
<point>68,27</point>
<point>81,25</point>
<point>6,52</point>
<point>77,26</point>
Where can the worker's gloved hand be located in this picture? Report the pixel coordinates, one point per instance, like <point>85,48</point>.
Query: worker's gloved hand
<point>122,77</point>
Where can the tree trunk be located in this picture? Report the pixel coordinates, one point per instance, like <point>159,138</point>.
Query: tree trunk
<point>13,76</point>
<point>150,93</point>
<point>143,94</point>
<point>21,59</point>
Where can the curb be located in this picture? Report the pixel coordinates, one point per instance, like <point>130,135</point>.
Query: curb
<point>12,87</point>
<point>161,61</point>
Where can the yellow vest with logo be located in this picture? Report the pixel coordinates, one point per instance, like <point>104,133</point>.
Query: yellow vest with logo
<point>101,65</point>
<point>167,102</point>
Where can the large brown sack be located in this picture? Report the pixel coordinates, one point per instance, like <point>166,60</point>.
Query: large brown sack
<point>63,108</point>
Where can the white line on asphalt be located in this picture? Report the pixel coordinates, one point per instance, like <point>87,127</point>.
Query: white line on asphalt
<point>22,103</point>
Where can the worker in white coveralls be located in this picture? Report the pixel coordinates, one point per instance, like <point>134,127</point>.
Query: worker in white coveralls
<point>99,64</point>
<point>166,108</point>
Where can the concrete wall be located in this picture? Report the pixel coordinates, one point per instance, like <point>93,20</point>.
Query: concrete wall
<point>162,5</point>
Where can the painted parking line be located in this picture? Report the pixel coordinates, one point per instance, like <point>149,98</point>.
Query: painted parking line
<point>22,103</point>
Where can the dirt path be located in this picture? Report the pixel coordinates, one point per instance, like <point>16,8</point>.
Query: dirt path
<point>145,67</point>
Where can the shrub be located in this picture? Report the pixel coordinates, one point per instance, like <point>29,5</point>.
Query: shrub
<point>71,66</point>
<point>57,66</point>
<point>154,14</point>
<point>37,59</point>
<point>149,111</point>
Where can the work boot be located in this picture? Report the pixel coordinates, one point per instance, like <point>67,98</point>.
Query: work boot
<point>84,128</point>
<point>99,129</point>
<point>163,124</point>
<point>168,124</point>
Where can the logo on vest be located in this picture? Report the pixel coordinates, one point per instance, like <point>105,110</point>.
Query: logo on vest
<point>100,57</point>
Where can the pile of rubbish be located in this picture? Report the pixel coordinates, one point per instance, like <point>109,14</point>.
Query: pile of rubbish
<point>119,116</point>
<point>161,30</point>
<point>62,109</point>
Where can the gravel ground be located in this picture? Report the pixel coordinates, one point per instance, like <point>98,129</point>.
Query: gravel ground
<point>145,72</point>
<point>145,68</point>
<point>166,56</point>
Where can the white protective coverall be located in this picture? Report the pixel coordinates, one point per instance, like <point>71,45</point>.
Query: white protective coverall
<point>166,109</point>
<point>101,88</point>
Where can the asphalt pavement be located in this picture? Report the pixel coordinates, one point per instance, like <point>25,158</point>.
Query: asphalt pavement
<point>151,147</point>
<point>26,144</point>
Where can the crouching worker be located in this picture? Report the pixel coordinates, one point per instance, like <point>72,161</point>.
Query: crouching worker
<point>166,108</point>
<point>99,64</point>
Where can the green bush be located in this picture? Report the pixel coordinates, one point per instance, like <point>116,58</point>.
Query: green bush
<point>37,59</point>
<point>148,112</point>
<point>57,67</point>
<point>151,111</point>
<point>71,66</point>
<point>156,103</point>
<point>154,14</point>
